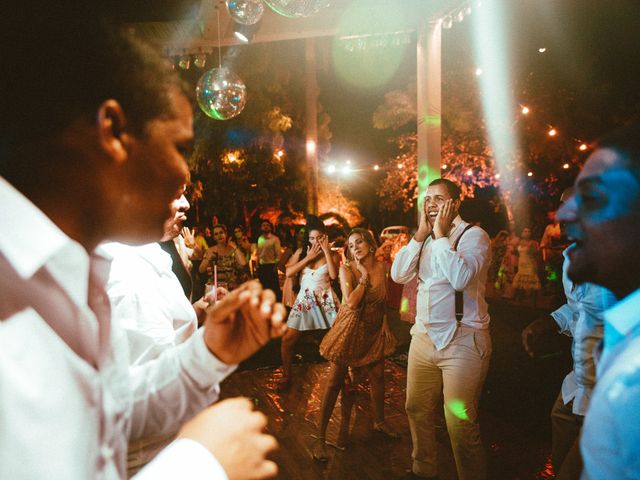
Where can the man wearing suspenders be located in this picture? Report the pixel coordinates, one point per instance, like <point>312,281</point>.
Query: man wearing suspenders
<point>450,346</point>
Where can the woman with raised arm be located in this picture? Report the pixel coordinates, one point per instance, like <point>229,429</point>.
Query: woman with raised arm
<point>359,338</point>
<point>315,306</point>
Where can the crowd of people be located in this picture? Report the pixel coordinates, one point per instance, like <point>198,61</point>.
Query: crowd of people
<point>109,362</point>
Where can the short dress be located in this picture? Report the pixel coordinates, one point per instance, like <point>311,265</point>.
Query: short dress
<point>527,276</point>
<point>315,307</point>
<point>360,336</point>
<point>229,270</point>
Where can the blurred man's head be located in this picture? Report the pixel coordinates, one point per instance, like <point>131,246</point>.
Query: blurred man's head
<point>92,120</point>
<point>173,225</point>
<point>603,216</point>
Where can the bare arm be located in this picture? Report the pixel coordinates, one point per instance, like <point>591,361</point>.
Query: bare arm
<point>352,291</point>
<point>328,255</point>
<point>240,258</point>
<point>206,260</point>
<point>294,265</point>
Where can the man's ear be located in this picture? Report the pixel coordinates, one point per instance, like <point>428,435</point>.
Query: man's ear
<point>111,122</point>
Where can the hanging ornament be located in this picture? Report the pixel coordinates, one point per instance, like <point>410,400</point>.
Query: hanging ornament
<point>245,12</point>
<point>297,8</point>
<point>221,93</point>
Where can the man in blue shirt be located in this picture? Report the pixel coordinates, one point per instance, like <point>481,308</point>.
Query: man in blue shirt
<point>603,219</point>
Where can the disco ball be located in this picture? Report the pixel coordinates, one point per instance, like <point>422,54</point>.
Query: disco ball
<point>246,12</point>
<point>297,8</point>
<point>221,93</point>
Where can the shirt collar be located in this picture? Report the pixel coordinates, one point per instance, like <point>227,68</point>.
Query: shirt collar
<point>28,238</point>
<point>623,316</point>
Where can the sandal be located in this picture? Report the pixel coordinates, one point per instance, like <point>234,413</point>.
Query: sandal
<point>319,450</point>
<point>384,429</point>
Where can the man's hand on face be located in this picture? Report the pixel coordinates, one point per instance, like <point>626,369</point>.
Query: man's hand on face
<point>445,217</point>
<point>424,227</point>
<point>234,433</point>
<point>241,323</point>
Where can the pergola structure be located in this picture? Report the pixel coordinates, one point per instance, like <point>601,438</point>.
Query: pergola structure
<point>207,26</point>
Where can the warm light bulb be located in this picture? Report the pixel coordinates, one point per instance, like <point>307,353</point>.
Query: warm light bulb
<point>331,169</point>
<point>497,175</point>
<point>530,174</point>
<point>525,110</point>
<point>565,166</point>
<point>400,166</point>
<point>542,49</point>
<point>444,167</point>
<point>376,167</point>
<point>583,147</point>
<point>279,153</point>
<point>469,172</point>
<point>552,132</point>
<point>478,72</point>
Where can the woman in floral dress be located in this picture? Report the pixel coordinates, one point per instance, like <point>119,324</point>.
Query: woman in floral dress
<point>359,338</point>
<point>315,306</point>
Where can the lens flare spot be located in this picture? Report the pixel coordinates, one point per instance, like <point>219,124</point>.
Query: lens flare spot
<point>458,408</point>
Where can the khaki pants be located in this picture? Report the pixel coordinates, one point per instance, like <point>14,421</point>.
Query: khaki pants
<point>458,372</point>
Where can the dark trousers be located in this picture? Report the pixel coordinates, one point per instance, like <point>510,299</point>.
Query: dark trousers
<point>565,441</point>
<point>268,276</point>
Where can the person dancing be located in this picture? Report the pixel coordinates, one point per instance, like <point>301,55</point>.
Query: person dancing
<point>315,306</point>
<point>359,338</point>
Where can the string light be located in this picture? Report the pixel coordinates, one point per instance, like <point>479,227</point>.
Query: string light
<point>478,72</point>
<point>376,167</point>
<point>497,176</point>
<point>552,132</point>
<point>331,168</point>
<point>400,166</point>
<point>444,167</point>
<point>525,110</point>
<point>583,147</point>
<point>469,172</point>
<point>542,49</point>
<point>530,174</point>
<point>565,166</point>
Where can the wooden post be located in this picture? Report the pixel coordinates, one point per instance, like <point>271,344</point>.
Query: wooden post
<point>429,111</point>
<point>311,125</point>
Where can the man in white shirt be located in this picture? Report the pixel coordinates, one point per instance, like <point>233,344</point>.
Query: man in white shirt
<point>450,346</point>
<point>148,303</point>
<point>103,163</point>
<point>582,319</point>
<point>603,220</point>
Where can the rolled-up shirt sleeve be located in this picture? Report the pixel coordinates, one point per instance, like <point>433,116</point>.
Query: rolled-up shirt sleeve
<point>565,317</point>
<point>405,264</point>
<point>172,388</point>
<point>184,458</point>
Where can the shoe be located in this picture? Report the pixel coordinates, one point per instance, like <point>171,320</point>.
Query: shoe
<point>384,429</point>
<point>319,450</point>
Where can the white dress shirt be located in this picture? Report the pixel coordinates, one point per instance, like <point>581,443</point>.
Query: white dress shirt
<point>68,402</point>
<point>581,318</point>
<point>441,272</point>
<point>148,302</point>
<point>610,442</point>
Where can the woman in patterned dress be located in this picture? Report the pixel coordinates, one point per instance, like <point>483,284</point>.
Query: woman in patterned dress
<point>315,306</point>
<point>359,338</point>
<point>228,259</point>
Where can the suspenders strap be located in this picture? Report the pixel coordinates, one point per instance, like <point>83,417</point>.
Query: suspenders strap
<point>459,308</point>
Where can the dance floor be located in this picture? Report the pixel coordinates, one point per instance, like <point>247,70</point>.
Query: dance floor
<point>514,410</point>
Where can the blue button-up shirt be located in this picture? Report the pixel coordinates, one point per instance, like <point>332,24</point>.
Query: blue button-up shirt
<point>611,434</point>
